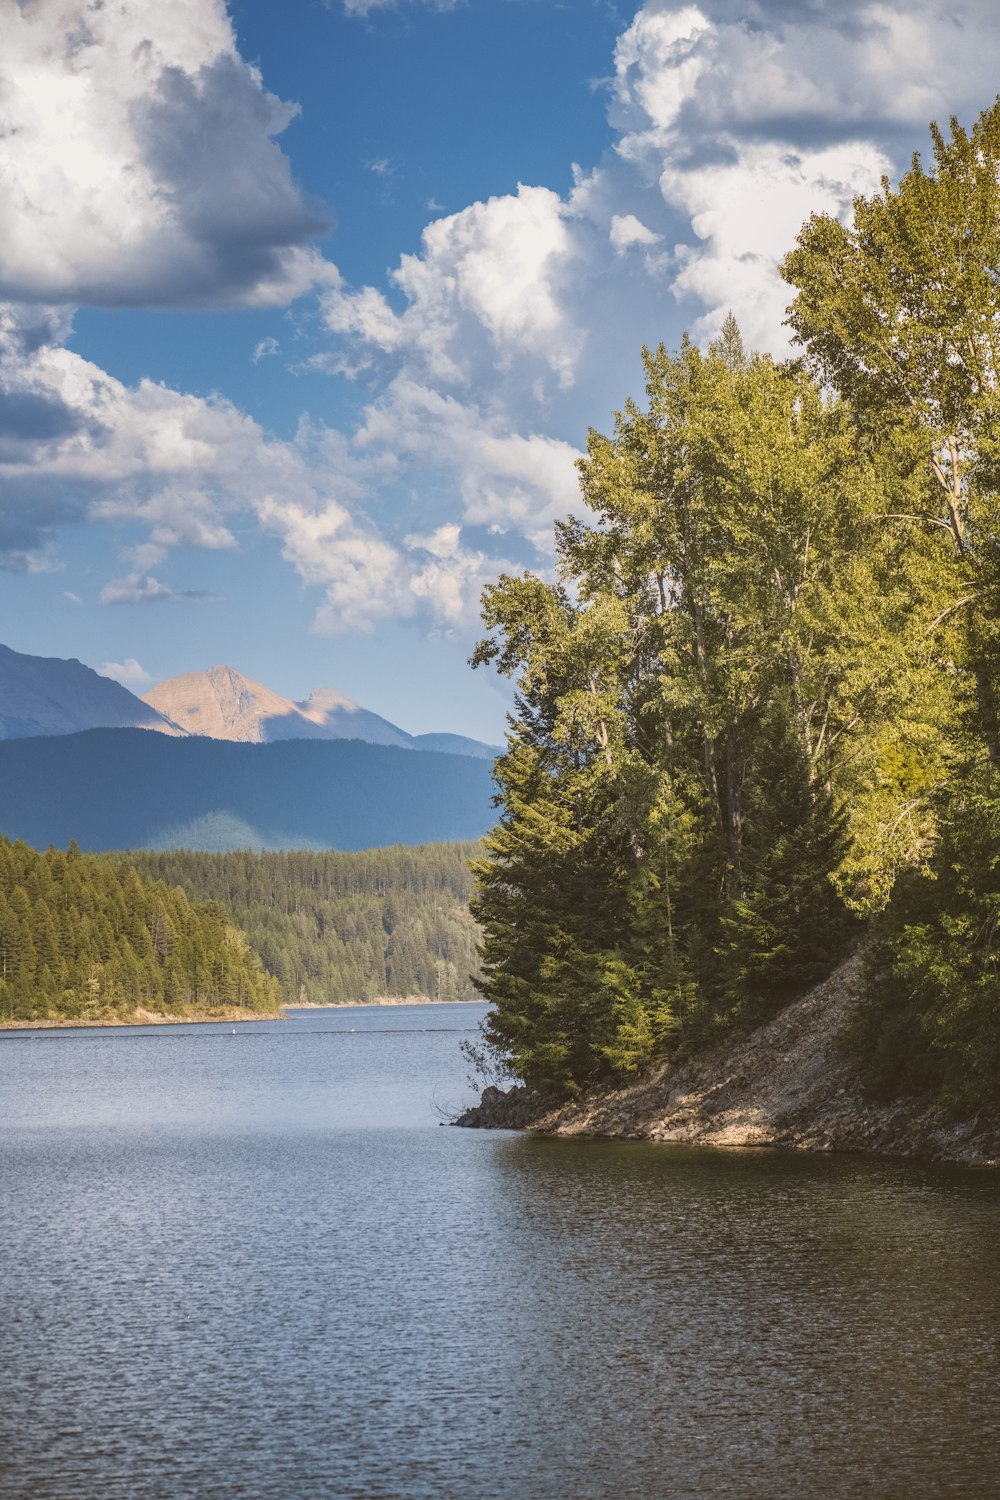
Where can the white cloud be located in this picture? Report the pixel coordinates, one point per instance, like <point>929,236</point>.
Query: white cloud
<point>658,65</point>
<point>500,477</point>
<point>366,577</point>
<point>365,7</point>
<point>490,275</point>
<point>746,215</point>
<point>362,575</point>
<point>627,231</point>
<point>520,318</point>
<point>444,542</point>
<point>750,119</point>
<point>137,161</point>
<point>858,66</point>
<point>266,349</point>
<point>137,588</point>
<point>487,353</point>
<point>128,672</point>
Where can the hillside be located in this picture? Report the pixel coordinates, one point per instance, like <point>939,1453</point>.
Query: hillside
<point>87,940</point>
<point>120,789</point>
<point>339,928</point>
<point>41,695</point>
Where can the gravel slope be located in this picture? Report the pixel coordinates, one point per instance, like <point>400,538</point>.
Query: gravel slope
<point>786,1084</point>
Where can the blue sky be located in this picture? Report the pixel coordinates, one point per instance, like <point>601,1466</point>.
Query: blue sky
<point>305,310</point>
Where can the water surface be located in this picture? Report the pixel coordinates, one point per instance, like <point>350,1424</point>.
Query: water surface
<point>255,1265</point>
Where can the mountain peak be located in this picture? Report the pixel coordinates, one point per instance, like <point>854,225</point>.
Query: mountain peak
<point>224,704</point>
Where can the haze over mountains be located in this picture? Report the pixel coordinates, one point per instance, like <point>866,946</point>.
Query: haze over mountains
<point>231,765</point>
<point>123,789</point>
<point>47,695</point>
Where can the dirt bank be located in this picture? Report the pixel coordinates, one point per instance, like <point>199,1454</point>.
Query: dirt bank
<point>144,1018</point>
<point>786,1084</point>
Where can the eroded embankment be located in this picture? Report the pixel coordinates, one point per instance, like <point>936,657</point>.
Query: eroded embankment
<point>789,1084</point>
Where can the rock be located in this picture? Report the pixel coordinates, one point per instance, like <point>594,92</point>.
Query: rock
<point>516,1108</point>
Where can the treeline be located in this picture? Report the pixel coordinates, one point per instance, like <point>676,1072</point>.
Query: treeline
<point>758,712</point>
<point>84,937</point>
<point>343,927</point>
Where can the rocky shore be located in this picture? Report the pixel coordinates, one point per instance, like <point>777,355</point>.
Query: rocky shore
<point>787,1084</point>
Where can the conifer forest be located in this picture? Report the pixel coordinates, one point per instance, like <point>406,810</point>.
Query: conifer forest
<point>344,928</point>
<point>83,937</point>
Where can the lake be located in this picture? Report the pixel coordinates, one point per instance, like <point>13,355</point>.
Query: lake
<point>256,1265</point>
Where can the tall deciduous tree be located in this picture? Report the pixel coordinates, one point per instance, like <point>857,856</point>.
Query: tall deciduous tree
<point>700,699</point>
<point>900,311</point>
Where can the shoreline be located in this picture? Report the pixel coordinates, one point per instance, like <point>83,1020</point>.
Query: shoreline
<point>140,1018</point>
<point>382,1000</point>
<point>230,1017</point>
<point>786,1085</point>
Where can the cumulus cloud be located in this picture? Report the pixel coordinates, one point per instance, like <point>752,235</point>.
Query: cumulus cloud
<point>367,577</point>
<point>627,231</point>
<point>504,479</point>
<point>138,163</point>
<point>181,470</point>
<point>800,71</point>
<point>128,672</point>
<point>487,276</point>
<point>519,318</point>
<point>484,355</point>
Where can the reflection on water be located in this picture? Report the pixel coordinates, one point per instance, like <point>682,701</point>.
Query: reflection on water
<point>256,1266</point>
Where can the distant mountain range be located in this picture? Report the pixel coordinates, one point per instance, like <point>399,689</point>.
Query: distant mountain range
<point>231,765</point>
<point>42,695</point>
<point>123,788</point>
<point>224,704</point>
<point>46,695</point>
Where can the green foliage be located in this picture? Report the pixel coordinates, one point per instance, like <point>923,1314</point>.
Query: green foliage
<point>901,311</point>
<point>931,1021</point>
<point>337,928</point>
<point>696,693</point>
<point>83,937</point>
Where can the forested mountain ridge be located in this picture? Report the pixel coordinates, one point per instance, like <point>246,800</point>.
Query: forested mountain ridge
<point>758,711</point>
<point>119,789</point>
<point>86,939</point>
<point>336,928</point>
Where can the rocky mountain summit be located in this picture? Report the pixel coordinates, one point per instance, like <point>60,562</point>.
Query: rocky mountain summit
<point>224,704</point>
